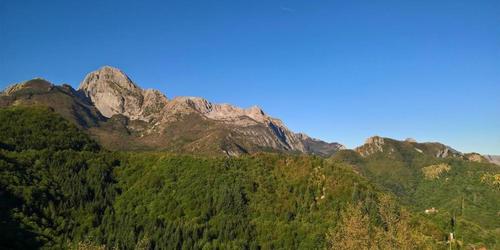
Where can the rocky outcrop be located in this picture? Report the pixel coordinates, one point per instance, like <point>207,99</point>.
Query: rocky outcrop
<point>446,151</point>
<point>253,123</point>
<point>372,145</point>
<point>495,159</point>
<point>112,92</point>
<point>319,147</point>
<point>475,157</point>
<point>221,112</point>
<point>153,104</point>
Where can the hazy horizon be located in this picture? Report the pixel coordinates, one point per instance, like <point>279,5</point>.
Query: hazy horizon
<point>336,71</point>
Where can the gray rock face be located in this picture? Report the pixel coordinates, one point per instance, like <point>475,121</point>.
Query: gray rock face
<point>319,147</point>
<point>447,151</point>
<point>114,93</point>
<point>245,121</point>
<point>495,159</point>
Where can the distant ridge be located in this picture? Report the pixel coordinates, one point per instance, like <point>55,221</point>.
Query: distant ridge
<point>493,159</point>
<point>382,145</point>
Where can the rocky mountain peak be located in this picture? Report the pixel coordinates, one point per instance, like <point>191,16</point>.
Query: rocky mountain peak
<point>113,92</point>
<point>375,140</point>
<point>106,75</point>
<point>372,145</point>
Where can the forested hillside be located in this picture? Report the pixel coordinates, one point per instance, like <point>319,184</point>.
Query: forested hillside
<point>55,183</point>
<point>460,196</point>
<point>72,194</point>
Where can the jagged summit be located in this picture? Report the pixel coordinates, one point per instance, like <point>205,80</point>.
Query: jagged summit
<point>108,74</point>
<point>113,92</point>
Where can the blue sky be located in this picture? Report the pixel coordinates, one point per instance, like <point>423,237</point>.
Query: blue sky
<point>337,70</point>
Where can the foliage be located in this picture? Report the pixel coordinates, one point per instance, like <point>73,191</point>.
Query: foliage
<point>39,128</point>
<point>434,171</point>
<point>463,192</point>
<point>68,193</point>
<point>492,180</point>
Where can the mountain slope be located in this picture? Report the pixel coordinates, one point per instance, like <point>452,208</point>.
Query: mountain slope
<point>63,99</point>
<point>452,186</point>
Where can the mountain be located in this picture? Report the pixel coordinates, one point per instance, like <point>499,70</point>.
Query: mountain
<point>112,92</point>
<point>319,147</point>
<point>63,99</point>
<point>123,116</point>
<point>443,184</point>
<point>377,144</point>
<point>493,159</point>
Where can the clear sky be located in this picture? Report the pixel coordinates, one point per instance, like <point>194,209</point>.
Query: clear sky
<point>336,70</point>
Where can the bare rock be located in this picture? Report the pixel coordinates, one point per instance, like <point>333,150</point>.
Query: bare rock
<point>372,145</point>
<point>113,92</point>
<point>410,140</point>
<point>495,159</point>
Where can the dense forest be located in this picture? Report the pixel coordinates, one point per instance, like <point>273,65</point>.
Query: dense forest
<point>59,189</point>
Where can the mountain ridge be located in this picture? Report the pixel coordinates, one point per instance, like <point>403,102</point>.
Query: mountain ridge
<point>147,114</point>
<point>108,92</point>
<point>378,144</point>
